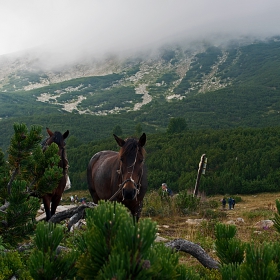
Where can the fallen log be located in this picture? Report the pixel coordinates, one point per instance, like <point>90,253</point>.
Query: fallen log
<point>77,211</point>
<point>195,250</point>
<point>177,244</point>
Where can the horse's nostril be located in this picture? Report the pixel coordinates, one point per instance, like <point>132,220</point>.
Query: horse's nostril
<point>129,194</point>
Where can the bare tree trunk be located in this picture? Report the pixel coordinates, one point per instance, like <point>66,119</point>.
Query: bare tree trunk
<point>199,172</point>
<point>195,250</point>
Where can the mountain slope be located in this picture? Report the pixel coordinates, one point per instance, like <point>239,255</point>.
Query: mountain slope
<point>210,86</point>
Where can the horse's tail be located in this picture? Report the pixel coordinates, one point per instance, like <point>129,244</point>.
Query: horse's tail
<point>89,177</point>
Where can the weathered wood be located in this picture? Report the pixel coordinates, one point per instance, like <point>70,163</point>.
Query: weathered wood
<point>5,206</point>
<point>60,216</point>
<point>74,219</point>
<point>177,244</point>
<point>195,250</point>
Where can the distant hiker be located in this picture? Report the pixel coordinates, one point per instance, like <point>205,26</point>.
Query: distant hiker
<point>224,202</point>
<point>165,189</point>
<point>233,203</point>
<point>230,203</point>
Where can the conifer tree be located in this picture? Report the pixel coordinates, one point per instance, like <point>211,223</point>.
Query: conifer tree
<point>28,174</point>
<point>115,246</point>
<point>259,263</point>
<point>229,249</point>
<point>46,261</point>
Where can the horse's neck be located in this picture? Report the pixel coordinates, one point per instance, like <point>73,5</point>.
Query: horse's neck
<point>63,161</point>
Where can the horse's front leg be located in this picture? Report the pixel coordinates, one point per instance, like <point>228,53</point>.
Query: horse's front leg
<point>46,202</point>
<point>55,201</point>
<point>137,210</point>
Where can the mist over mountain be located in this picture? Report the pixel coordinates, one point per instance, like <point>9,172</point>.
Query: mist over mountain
<point>211,84</point>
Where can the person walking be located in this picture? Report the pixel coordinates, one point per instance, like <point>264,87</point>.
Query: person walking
<point>230,203</point>
<point>233,203</point>
<point>224,202</point>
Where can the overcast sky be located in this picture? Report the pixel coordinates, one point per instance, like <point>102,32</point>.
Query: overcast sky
<point>97,26</point>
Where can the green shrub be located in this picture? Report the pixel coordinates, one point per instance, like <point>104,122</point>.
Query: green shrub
<point>237,199</point>
<point>259,263</point>
<point>212,214</point>
<point>157,205</point>
<point>115,246</point>
<point>11,265</point>
<point>229,249</point>
<point>46,262</point>
<point>186,202</point>
<point>214,204</point>
<point>263,214</point>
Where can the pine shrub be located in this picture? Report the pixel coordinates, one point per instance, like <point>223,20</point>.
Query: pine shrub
<point>46,261</point>
<point>115,246</point>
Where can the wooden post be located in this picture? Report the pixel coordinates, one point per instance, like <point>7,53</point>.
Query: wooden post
<point>201,170</point>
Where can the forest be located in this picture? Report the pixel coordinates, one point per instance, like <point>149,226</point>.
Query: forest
<point>240,160</point>
<point>235,125</point>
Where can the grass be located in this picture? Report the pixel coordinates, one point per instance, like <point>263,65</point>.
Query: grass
<point>198,225</point>
<point>251,208</point>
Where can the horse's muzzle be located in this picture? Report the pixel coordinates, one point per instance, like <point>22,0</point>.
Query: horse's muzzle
<point>129,194</point>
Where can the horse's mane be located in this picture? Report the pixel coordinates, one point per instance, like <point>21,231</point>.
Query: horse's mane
<point>131,145</point>
<point>44,142</point>
<point>57,139</point>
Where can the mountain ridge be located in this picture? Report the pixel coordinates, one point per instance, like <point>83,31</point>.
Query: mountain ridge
<point>210,86</point>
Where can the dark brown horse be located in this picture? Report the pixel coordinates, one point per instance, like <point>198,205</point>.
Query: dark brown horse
<point>120,176</point>
<point>54,197</point>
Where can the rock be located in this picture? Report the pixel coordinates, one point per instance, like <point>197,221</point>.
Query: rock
<point>161,239</point>
<point>264,224</point>
<point>194,221</point>
<point>240,220</point>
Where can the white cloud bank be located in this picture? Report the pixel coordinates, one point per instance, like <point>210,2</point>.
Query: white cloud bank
<point>75,27</point>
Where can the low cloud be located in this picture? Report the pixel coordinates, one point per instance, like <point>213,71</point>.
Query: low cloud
<point>70,29</point>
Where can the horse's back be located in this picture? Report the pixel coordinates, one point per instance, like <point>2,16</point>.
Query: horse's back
<point>99,174</point>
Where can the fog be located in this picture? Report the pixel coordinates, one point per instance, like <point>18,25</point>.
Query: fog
<point>72,29</point>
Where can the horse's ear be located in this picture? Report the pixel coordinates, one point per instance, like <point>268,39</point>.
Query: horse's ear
<point>49,132</point>
<point>65,135</point>
<point>142,140</point>
<point>120,141</point>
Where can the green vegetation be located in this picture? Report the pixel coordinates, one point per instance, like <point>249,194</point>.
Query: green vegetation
<point>113,244</point>
<point>240,160</point>
<point>237,127</point>
<point>24,178</point>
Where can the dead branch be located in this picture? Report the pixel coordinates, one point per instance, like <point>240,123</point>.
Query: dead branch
<point>195,250</point>
<point>79,210</point>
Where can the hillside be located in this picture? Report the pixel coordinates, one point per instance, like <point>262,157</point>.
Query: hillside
<point>210,86</point>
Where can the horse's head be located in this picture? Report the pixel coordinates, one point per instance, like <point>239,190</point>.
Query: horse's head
<point>131,157</point>
<point>58,138</point>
